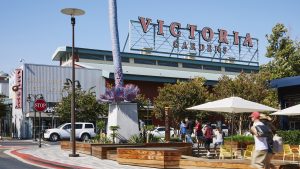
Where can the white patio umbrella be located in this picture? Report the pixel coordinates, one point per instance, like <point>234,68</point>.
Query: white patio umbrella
<point>232,105</point>
<point>290,111</point>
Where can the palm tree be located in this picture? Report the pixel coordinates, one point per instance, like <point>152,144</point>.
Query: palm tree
<point>113,24</point>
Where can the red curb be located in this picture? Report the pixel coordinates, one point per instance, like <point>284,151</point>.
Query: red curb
<point>45,163</point>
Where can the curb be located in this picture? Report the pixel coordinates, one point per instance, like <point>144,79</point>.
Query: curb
<point>32,160</point>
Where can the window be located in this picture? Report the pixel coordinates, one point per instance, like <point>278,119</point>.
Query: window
<point>109,58</point>
<point>208,67</point>
<point>89,126</point>
<point>145,61</point>
<point>161,129</point>
<point>233,69</point>
<point>190,65</point>
<point>66,127</point>
<point>125,59</point>
<point>165,63</point>
<point>78,126</point>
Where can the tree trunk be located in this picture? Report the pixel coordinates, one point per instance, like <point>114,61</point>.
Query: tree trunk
<point>113,24</point>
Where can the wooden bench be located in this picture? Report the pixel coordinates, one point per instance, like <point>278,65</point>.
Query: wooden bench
<point>150,157</point>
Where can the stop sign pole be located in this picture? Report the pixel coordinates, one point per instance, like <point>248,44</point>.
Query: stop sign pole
<point>39,106</point>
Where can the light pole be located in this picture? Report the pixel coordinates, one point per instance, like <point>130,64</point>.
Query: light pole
<point>148,107</point>
<point>29,99</point>
<point>73,12</point>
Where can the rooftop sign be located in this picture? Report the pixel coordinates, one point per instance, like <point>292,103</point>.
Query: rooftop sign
<point>192,42</point>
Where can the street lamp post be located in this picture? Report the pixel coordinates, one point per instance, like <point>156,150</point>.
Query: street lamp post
<point>148,107</point>
<point>29,99</point>
<point>73,12</point>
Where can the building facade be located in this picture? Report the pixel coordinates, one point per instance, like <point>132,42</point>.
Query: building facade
<point>48,81</point>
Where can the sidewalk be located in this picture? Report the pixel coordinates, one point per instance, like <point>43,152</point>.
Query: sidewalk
<point>54,157</point>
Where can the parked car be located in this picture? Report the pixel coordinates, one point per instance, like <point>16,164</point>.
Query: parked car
<point>160,131</point>
<point>224,129</point>
<point>84,131</point>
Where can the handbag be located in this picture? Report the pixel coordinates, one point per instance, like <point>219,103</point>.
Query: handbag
<point>277,144</point>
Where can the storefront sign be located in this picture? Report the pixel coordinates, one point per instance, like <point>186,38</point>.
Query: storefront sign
<point>18,88</point>
<point>190,40</point>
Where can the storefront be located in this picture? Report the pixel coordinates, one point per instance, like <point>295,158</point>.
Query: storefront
<point>288,95</point>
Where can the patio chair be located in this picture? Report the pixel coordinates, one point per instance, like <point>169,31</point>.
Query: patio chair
<point>287,151</point>
<point>248,151</point>
<point>225,151</point>
<point>298,150</point>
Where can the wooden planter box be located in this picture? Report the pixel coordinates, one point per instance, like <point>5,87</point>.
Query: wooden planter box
<point>150,157</point>
<point>100,151</point>
<point>184,148</point>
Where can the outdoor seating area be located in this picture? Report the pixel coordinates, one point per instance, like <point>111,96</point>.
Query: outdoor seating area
<point>173,155</point>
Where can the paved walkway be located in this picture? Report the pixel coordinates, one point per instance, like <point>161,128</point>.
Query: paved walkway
<point>54,157</point>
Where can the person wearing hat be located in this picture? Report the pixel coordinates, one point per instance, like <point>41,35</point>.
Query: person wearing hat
<point>261,146</point>
<point>267,120</point>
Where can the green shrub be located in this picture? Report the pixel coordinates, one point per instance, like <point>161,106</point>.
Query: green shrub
<point>291,137</point>
<point>135,139</point>
<point>102,140</point>
<point>153,139</point>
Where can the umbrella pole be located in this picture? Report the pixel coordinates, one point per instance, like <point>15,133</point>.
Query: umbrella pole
<point>231,140</point>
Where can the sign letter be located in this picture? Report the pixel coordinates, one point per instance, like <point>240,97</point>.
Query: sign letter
<point>248,40</point>
<point>172,29</point>
<point>145,24</point>
<point>223,36</point>
<point>160,27</point>
<point>210,32</point>
<point>192,29</point>
<point>236,40</point>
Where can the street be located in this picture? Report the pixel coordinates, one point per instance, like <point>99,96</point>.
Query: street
<point>8,162</point>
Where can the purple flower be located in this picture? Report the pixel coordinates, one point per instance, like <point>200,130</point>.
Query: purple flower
<point>119,94</point>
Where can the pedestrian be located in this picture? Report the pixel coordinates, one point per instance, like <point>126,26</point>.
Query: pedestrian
<point>219,137</point>
<point>189,130</point>
<point>261,146</point>
<point>267,120</point>
<point>182,130</point>
<point>208,136</point>
<point>199,133</point>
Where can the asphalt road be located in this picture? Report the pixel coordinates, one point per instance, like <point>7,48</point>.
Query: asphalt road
<point>8,162</point>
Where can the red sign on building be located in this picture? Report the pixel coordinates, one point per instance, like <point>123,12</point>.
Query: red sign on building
<point>18,88</point>
<point>40,105</point>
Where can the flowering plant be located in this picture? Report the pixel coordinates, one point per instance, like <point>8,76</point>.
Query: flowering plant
<point>128,93</point>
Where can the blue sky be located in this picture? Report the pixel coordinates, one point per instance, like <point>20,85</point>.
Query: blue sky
<point>33,29</point>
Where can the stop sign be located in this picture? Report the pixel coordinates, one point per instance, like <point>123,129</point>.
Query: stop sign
<point>40,105</point>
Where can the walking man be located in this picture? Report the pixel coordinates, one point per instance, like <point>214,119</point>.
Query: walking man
<point>261,146</point>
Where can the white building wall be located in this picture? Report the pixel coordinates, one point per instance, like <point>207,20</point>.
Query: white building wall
<point>48,81</point>
<point>4,89</point>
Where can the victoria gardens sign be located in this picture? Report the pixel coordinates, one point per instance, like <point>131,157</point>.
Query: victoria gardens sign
<point>190,42</point>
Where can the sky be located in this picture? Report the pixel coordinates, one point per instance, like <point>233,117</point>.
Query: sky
<point>31,30</point>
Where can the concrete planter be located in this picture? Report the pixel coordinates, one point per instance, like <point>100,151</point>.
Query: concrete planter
<point>124,115</point>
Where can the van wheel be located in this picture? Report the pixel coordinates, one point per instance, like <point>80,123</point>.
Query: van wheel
<point>85,137</point>
<point>54,137</point>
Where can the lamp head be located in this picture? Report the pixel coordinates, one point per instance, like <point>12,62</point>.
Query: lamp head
<point>72,11</point>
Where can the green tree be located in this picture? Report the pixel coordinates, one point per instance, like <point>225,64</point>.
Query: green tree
<point>180,96</point>
<point>87,108</point>
<point>253,87</point>
<point>285,54</point>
